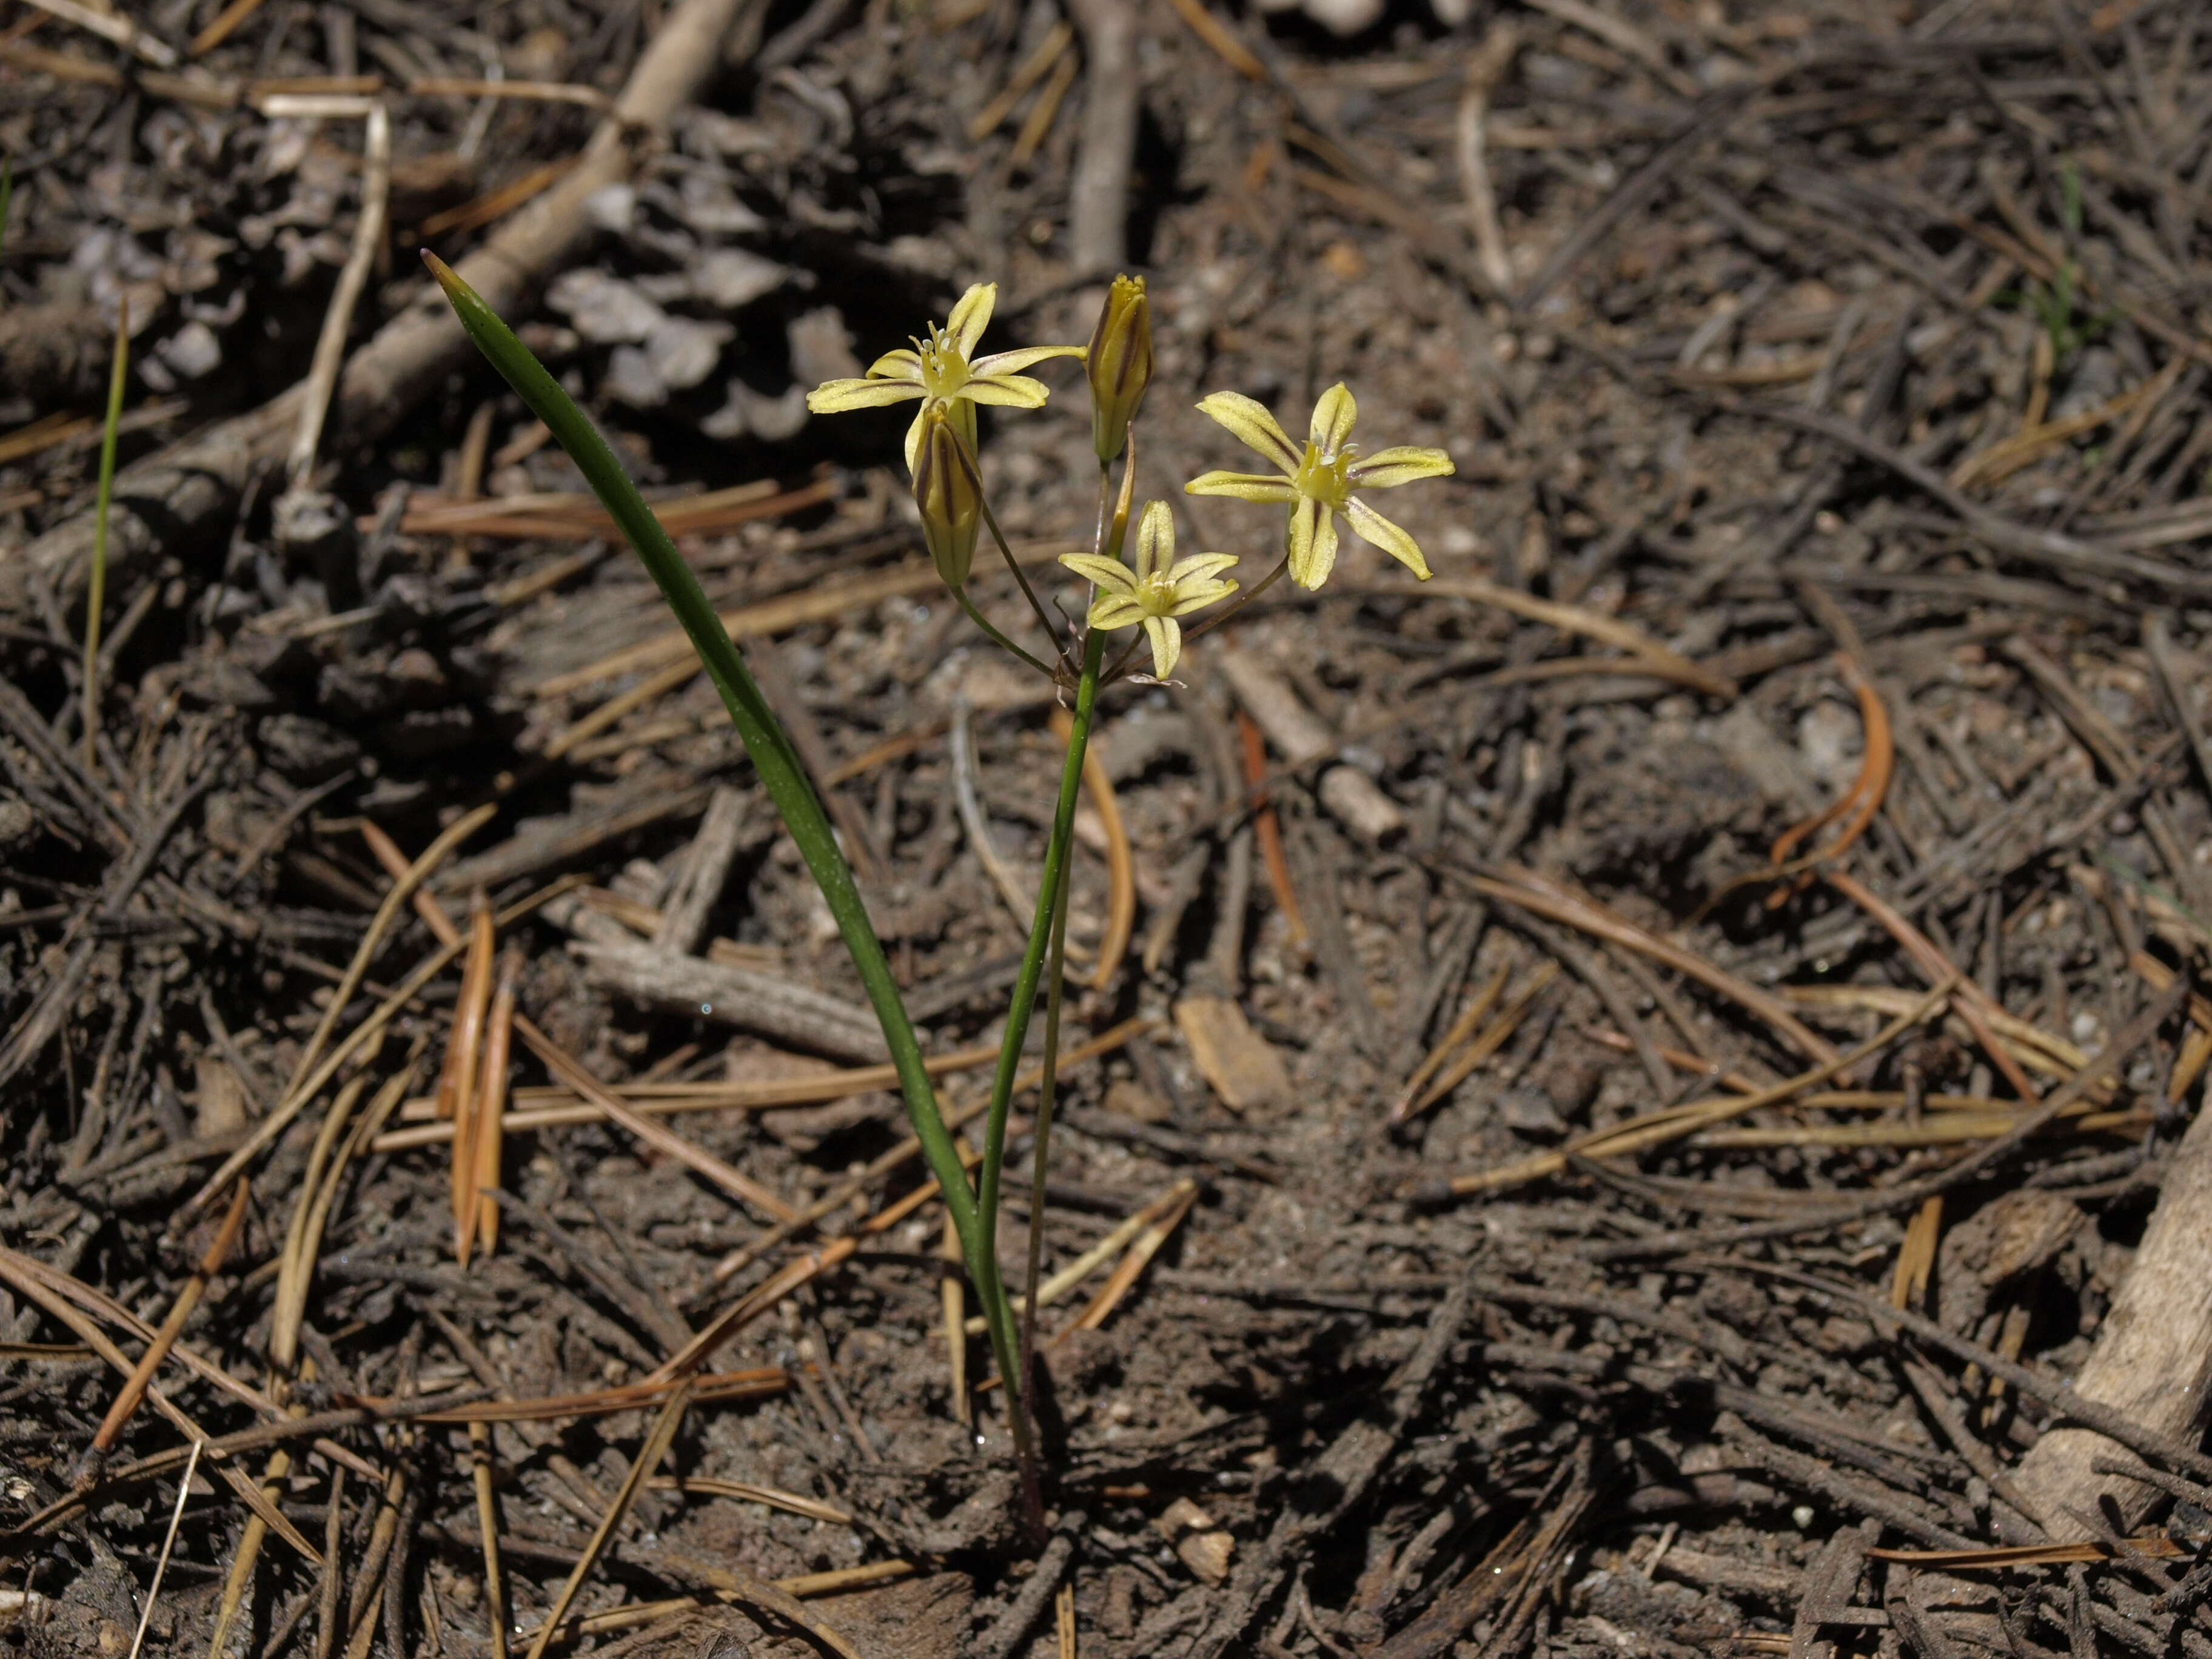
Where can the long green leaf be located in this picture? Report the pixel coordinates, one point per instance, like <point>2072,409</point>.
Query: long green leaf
<point>773,758</point>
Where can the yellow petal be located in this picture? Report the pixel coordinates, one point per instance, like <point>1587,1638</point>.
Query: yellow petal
<point>1386,469</point>
<point>1155,539</point>
<point>1377,531</point>
<point>1166,636</point>
<point>1332,419</point>
<point>1200,567</point>
<point>1249,419</point>
<point>1245,486</point>
<point>914,435</point>
<point>1009,390</point>
<point>1311,542</point>
<point>971,317</point>
<point>1111,610</point>
<point>1109,574</point>
<point>835,397</point>
<point>900,365</point>
<point>1199,596</point>
<point>1006,362</point>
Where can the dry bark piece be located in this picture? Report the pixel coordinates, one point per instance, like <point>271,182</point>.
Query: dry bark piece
<point>2153,1359</point>
<point>705,870</point>
<point>1241,1065</point>
<point>222,1101</point>
<point>1127,1097</point>
<point>766,1004</point>
<point>2006,1239</point>
<point>57,352</point>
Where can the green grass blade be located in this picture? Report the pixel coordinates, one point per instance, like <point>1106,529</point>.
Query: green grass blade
<point>95,599</point>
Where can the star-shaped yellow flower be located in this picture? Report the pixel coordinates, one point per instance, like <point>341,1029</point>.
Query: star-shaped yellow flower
<point>1317,484</point>
<point>944,369</point>
<point>1158,590</point>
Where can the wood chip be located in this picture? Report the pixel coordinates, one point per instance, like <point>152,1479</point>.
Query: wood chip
<point>1204,1547</point>
<point>1242,1066</point>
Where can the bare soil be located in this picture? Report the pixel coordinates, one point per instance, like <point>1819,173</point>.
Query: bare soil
<point>1829,428</point>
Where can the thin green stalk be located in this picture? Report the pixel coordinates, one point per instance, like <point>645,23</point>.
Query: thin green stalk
<point>1021,576</point>
<point>1022,1005</point>
<point>996,637</point>
<point>1019,1008</point>
<point>96,601</point>
<point>776,762</point>
<point>1239,602</point>
<point>1055,988</point>
<point>1116,527</point>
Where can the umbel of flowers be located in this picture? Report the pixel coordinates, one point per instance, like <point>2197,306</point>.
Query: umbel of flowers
<point>1320,482</point>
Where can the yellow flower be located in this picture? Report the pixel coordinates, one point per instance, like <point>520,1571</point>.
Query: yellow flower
<point>943,370</point>
<point>1158,590</point>
<point>1317,484</point>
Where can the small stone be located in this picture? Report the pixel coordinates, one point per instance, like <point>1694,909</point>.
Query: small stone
<point>681,352</point>
<point>192,350</point>
<point>1127,1097</point>
<point>821,347</point>
<point>604,309</point>
<point>611,208</point>
<point>730,277</point>
<point>632,380</point>
<point>1204,1547</point>
<point>1529,1112</point>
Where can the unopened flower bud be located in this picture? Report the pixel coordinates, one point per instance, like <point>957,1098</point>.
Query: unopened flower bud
<point>1119,361</point>
<point>950,493</point>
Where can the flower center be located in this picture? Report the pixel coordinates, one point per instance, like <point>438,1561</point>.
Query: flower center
<point>943,370</point>
<point>1156,592</point>
<point>1322,477</point>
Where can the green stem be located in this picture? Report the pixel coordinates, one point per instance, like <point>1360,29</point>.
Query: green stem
<point>1021,576</point>
<point>1019,1008</point>
<point>1113,527</point>
<point>1055,986</point>
<point>773,758</point>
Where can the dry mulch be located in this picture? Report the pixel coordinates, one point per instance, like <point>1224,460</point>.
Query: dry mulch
<point>1828,423</point>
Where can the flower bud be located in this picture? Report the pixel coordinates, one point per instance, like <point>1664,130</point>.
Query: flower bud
<point>950,493</point>
<point>1119,361</point>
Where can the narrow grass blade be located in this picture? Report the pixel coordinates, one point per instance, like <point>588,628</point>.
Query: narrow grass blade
<point>96,598</point>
